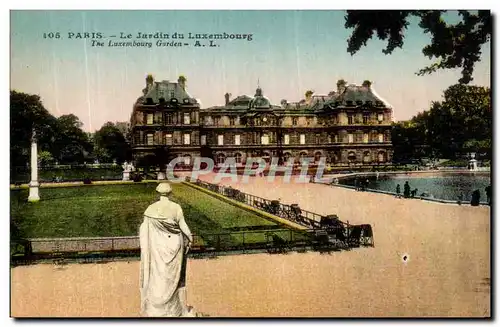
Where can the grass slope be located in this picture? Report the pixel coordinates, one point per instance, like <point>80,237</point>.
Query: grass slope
<point>117,210</point>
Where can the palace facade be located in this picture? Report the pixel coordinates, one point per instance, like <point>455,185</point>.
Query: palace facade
<point>349,126</point>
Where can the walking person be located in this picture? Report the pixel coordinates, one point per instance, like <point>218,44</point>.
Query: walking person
<point>475,198</point>
<point>398,191</point>
<point>488,194</point>
<point>406,191</point>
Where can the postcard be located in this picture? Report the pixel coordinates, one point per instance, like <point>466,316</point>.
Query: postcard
<point>250,164</point>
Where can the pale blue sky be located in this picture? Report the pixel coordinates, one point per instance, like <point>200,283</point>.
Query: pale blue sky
<point>291,52</point>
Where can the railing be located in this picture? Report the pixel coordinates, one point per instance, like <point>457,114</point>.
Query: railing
<point>332,238</point>
<point>291,212</point>
<point>67,174</point>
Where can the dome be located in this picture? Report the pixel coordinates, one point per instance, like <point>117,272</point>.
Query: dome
<point>259,101</point>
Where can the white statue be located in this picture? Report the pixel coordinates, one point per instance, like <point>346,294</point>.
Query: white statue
<point>165,239</point>
<point>127,169</point>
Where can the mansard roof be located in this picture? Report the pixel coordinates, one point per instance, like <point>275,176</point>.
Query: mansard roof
<point>356,95</point>
<point>245,102</point>
<point>164,90</point>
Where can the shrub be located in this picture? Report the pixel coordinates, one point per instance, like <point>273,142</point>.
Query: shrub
<point>87,180</point>
<point>137,178</point>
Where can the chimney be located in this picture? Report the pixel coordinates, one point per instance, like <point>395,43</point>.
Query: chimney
<point>367,84</point>
<point>182,81</point>
<point>226,96</point>
<point>341,84</point>
<point>309,94</point>
<point>149,81</point>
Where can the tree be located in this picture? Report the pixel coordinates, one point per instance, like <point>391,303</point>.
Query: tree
<point>71,144</point>
<point>45,158</point>
<point>461,123</point>
<point>27,113</point>
<point>453,45</point>
<point>112,142</point>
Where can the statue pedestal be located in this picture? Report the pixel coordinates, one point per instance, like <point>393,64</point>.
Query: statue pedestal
<point>126,175</point>
<point>161,176</point>
<point>34,196</point>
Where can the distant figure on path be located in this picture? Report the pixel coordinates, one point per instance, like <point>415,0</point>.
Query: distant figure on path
<point>356,184</point>
<point>406,191</point>
<point>475,199</point>
<point>414,192</point>
<point>488,194</point>
<point>460,198</point>
<point>165,239</point>
<point>398,191</point>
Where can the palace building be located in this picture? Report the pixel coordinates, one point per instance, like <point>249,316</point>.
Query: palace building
<point>350,126</point>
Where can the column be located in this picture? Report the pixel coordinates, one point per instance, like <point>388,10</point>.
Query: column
<point>34,195</point>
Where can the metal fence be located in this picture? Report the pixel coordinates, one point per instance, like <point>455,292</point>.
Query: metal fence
<point>272,241</point>
<point>291,212</point>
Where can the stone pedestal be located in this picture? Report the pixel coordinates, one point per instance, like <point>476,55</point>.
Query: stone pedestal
<point>161,176</point>
<point>126,176</point>
<point>34,195</point>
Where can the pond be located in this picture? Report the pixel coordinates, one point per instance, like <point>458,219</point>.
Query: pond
<point>445,186</point>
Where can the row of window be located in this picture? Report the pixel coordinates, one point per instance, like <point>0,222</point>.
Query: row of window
<point>150,119</point>
<point>351,157</point>
<point>264,139</point>
<point>366,119</point>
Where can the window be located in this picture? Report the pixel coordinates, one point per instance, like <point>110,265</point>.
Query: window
<point>231,121</point>
<point>237,140</point>
<point>149,120</point>
<point>287,139</point>
<point>187,119</point>
<point>157,119</point>
<point>168,119</point>
<point>365,138</point>
<point>366,119</point>
<point>380,118</point>
<point>381,156</point>
<point>237,158</point>
<point>351,156</point>
<point>294,121</point>
<point>220,139</point>
<point>335,138</point>
<point>221,158</point>
<point>187,139</point>
<point>350,138</point>
<point>168,139</point>
<point>216,121</point>
<point>264,139</point>
<point>302,139</point>
<point>349,119</point>
<point>318,138</point>
<point>366,157</point>
<point>381,138</point>
<point>203,140</point>
<point>172,94</point>
<point>150,139</point>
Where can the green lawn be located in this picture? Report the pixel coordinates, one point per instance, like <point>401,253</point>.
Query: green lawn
<point>117,210</point>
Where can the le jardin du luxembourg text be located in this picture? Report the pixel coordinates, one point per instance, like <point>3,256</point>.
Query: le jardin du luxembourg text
<point>159,39</point>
